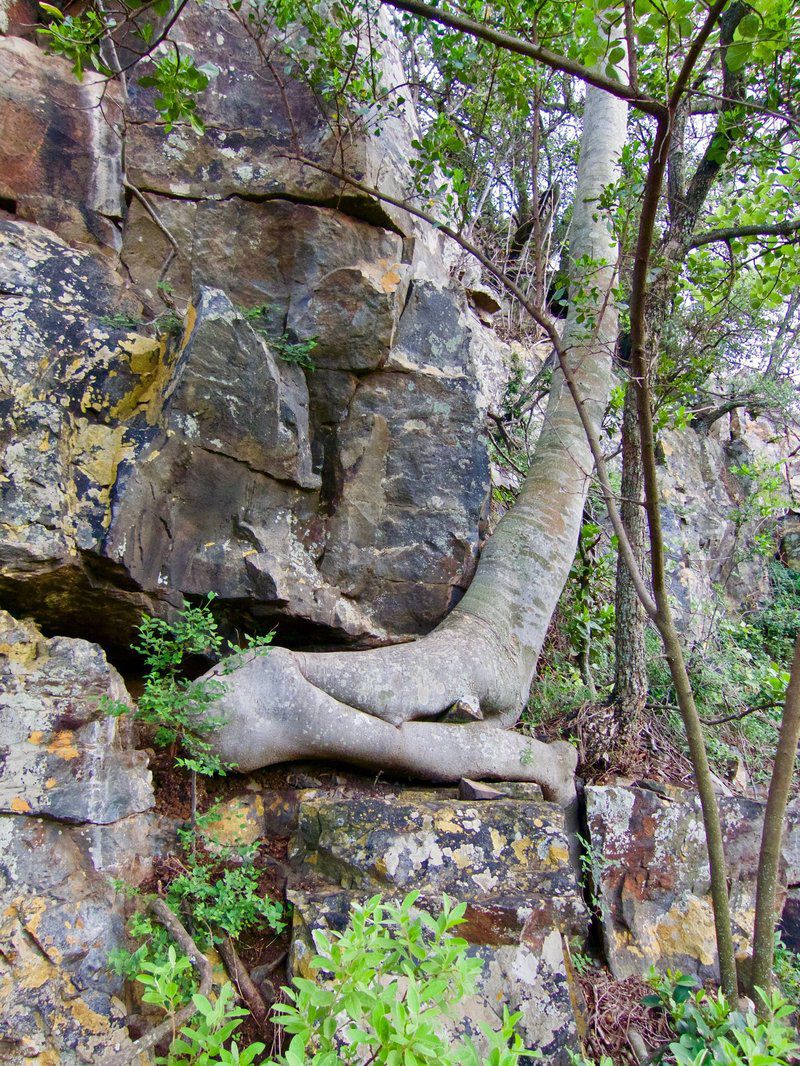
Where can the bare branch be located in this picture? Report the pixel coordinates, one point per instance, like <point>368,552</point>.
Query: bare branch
<point>732,233</point>
<point>175,1022</point>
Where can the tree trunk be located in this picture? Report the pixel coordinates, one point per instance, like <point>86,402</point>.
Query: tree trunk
<point>363,707</point>
<point>780,787</point>
<point>630,671</point>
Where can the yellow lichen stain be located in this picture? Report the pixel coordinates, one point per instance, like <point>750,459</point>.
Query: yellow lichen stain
<point>99,450</point>
<point>88,1019</point>
<point>188,324</point>
<point>625,942</point>
<point>445,822</point>
<point>51,782</point>
<point>36,973</point>
<point>35,907</point>
<point>20,806</point>
<point>391,279</point>
<point>238,821</point>
<point>686,929</point>
<point>498,841</point>
<point>462,857</point>
<point>147,359</point>
<point>521,848</point>
<point>23,652</point>
<point>557,855</point>
<point>36,737</point>
<point>63,745</point>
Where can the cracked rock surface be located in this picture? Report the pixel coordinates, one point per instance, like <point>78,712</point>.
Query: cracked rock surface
<point>158,439</point>
<point>506,858</point>
<point>75,808</point>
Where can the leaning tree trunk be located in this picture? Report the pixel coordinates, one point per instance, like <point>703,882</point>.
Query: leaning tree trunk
<point>630,670</point>
<point>364,707</point>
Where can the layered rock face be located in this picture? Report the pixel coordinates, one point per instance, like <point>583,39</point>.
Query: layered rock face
<point>161,437</point>
<point>712,493</point>
<point>650,872</point>
<point>508,859</point>
<point>75,809</point>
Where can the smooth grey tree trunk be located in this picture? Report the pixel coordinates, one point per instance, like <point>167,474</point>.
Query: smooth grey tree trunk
<point>365,707</point>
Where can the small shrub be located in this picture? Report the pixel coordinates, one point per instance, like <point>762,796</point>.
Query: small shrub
<point>120,321</point>
<point>202,1041</point>
<point>710,1032</point>
<point>175,707</point>
<point>787,971</point>
<point>390,980</point>
<point>296,352</point>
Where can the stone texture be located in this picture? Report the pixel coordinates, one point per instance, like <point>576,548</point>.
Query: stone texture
<point>508,859</point>
<point>701,497</point>
<point>508,849</point>
<point>348,503</point>
<point>62,757</point>
<point>60,154</point>
<point>651,876</point>
<point>139,468</point>
<point>75,807</point>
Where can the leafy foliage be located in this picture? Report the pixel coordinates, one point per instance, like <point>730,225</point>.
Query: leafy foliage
<point>296,352</point>
<point>175,707</point>
<point>388,983</point>
<point>219,892</point>
<point>177,83</point>
<point>203,1041</point>
<point>710,1031</point>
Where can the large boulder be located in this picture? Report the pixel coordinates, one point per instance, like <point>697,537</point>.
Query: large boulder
<point>75,809</point>
<point>159,441</point>
<point>507,858</point>
<point>60,147</point>
<point>650,873</point>
<point>140,468</point>
<point>712,494</point>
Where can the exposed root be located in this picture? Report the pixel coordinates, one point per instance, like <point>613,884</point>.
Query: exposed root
<point>274,713</point>
<point>172,1025</point>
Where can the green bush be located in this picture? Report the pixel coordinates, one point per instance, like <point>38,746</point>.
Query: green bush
<point>203,1041</point>
<point>710,1032</point>
<point>175,707</point>
<point>388,983</point>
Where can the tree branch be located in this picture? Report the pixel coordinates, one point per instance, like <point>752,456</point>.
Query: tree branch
<point>732,233</point>
<point>520,46</point>
<point>239,974</point>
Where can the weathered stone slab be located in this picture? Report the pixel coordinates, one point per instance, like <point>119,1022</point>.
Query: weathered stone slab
<point>506,858</point>
<point>467,849</point>
<point>59,914</point>
<point>60,152</point>
<point>60,756</point>
<point>652,881</point>
<point>522,970</point>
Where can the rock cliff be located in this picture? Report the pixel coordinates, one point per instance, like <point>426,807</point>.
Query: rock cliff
<point>220,374</point>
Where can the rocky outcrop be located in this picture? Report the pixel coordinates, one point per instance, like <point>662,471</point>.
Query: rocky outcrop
<point>713,506</point>
<point>75,806</point>
<point>650,874</point>
<point>159,439</point>
<point>507,858</point>
<point>60,152</point>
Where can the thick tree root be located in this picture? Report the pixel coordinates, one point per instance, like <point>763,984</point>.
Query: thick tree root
<point>273,714</point>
